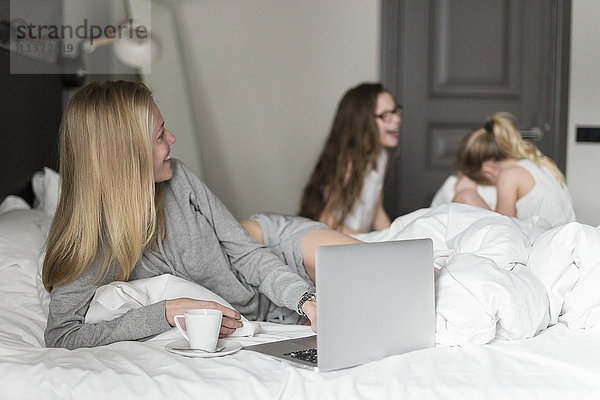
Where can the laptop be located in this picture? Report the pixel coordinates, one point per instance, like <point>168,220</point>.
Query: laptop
<point>374,300</point>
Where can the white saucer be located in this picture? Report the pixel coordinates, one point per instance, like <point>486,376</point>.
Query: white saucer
<point>182,347</point>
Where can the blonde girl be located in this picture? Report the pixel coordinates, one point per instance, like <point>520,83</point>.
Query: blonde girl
<point>527,182</point>
<point>129,211</point>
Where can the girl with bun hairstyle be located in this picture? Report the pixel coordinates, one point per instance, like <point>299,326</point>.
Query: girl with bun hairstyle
<point>527,182</point>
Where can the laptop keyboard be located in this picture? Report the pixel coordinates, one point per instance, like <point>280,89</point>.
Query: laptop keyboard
<point>309,355</point>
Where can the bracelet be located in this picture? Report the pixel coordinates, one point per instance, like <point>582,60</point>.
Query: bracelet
<point>307,296</point>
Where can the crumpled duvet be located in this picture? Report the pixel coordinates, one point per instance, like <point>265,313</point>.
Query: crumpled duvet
<point>566,260</point>
<point>503,278</point>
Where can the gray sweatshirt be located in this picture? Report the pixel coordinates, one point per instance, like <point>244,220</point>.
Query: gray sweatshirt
<point>203,243</point>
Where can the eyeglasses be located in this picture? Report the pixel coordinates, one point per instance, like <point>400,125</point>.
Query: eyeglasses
<point>387,115</point>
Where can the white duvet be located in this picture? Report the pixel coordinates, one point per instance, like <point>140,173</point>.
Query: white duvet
<point>504,278</point>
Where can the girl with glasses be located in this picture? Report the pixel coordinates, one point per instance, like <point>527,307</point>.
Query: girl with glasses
<point>345,188</point>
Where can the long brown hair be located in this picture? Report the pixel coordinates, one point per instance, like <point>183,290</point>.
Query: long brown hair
<point>352,145</point>
<point>498,140</point>
<point>108,195</point>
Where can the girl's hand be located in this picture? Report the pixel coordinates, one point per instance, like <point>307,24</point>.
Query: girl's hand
<point>310,309</point>
<point>229,323</point>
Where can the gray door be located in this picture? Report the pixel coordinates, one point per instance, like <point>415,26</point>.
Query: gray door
<point>452,63</point>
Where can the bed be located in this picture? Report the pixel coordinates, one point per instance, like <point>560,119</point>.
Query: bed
<point>518,316</point>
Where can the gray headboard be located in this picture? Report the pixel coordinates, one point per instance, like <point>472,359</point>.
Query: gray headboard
<point>30,112</point>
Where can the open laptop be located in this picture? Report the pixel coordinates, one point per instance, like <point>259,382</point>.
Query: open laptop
<point>373,300</point>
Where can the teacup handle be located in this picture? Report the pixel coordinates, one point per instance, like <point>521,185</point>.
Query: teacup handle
<point>183,332</point>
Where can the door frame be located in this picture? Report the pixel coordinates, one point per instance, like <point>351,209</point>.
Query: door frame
<point>392,73</point>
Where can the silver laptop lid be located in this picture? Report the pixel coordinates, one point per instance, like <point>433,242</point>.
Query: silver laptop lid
<point>374,300</point>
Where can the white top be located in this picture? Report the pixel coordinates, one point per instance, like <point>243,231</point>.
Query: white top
<point>363,211</point>
<point>548,199</point>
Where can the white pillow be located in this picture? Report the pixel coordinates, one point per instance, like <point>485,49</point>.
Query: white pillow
<point>23,233</point>
<point>22,241</point>
<point>116,298</point>
<point>46,188</point>
<point>11,202</point>
<point>22,318</point>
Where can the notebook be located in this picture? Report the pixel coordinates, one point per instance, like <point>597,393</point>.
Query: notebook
<point>374,300</point>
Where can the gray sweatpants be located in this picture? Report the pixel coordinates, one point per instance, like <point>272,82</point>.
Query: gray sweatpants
<point>283,235</point>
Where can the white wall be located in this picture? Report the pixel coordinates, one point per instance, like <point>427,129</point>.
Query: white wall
<point>101,13</point>
<point>583,159</point>
<point>169,81</point>
<point>265,78</point>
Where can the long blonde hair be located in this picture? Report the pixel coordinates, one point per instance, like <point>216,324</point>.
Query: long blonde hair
<point>108,196</point>
<point>498,140</point>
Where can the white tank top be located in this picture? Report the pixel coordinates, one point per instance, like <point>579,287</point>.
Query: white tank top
<point>548,199</point>
<point>363,211</point>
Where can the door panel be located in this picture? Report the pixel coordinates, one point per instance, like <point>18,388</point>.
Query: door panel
<point>473,55</point>
<point>452,63</point>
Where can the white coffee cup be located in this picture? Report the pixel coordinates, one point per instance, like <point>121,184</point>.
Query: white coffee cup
<point>202,328</point>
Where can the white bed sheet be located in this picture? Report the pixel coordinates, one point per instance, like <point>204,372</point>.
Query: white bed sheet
<point>559,362</point>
